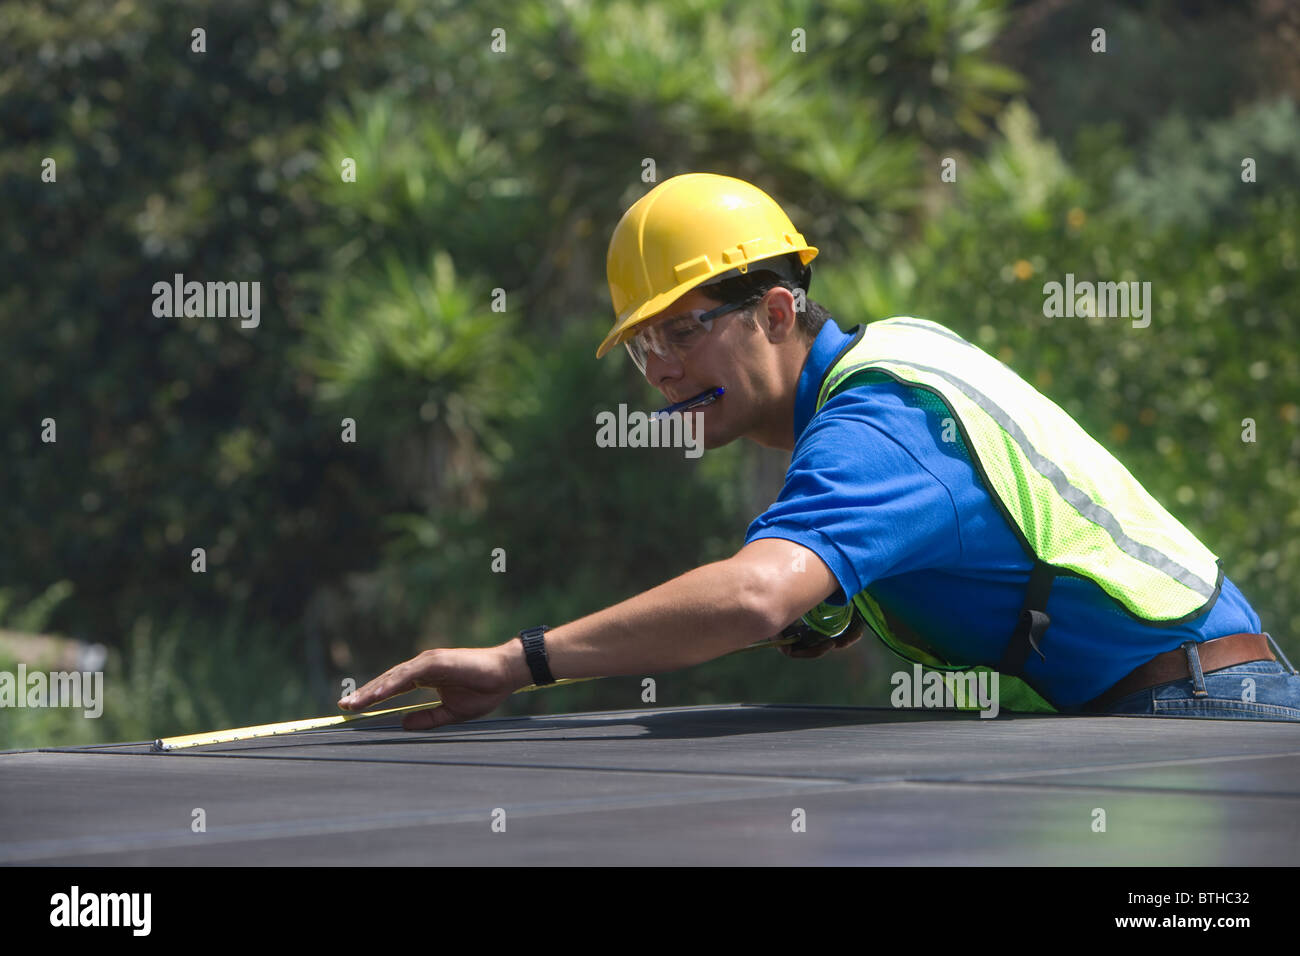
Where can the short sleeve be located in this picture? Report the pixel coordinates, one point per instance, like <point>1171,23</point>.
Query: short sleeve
<point>859,494</point>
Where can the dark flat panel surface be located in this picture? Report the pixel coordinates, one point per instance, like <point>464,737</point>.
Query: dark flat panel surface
<point>700,785</point>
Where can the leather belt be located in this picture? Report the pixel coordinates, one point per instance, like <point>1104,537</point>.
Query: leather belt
<point>1172,665</point>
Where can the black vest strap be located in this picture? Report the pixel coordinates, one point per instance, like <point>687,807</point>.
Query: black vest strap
<point>1032,624</point>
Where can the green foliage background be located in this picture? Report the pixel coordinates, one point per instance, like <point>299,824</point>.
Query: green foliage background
<point>481,171</point>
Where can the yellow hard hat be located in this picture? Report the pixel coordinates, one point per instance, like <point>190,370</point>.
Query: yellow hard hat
<point>684,232</point>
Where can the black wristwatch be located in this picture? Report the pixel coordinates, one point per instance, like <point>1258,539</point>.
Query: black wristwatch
<point>535,654</point>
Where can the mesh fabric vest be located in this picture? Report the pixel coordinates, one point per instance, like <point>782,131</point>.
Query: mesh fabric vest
<point>1075,509</point>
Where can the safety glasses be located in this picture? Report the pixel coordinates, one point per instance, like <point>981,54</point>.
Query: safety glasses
<point>674,337</point>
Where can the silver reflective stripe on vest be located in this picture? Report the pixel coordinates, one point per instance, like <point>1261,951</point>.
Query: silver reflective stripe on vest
<point>1077,498</point>
<point>1045,467</point>
<point>946,333</point>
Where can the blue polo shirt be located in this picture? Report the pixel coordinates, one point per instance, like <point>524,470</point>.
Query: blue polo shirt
<point>886,503</point>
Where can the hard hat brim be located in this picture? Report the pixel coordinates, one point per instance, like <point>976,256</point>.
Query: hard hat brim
<point>649,310</point>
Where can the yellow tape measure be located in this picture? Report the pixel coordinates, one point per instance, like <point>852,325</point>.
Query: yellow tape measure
<point>166,744</point>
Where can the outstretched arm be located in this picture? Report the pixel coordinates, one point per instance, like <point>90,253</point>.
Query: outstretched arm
<point>702,614</point>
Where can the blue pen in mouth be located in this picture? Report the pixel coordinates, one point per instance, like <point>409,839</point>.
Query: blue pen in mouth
<point>706,397</point>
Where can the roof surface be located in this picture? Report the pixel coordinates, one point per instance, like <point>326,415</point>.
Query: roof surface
<point>678,786</point>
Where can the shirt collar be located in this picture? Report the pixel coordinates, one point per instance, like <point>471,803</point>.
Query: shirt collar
<point>826,347</point>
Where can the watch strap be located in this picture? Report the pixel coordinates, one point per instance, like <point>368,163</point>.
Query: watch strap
<point>535,654</point>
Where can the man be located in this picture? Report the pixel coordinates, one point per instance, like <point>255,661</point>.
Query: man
<point>933,496</point>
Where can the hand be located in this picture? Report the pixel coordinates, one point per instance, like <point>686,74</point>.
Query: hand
<point>470,682</point>
<point>815,649</point>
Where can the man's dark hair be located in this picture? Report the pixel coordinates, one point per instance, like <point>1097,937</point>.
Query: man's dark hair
<point>749,289</point>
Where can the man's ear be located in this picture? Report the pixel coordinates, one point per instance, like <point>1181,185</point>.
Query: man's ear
<point>782,321</point>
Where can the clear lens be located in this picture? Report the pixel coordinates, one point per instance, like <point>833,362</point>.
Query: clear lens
<point>670,338</point>
<point>636,349</point>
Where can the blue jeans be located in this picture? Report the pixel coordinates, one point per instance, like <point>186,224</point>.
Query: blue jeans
<point>1259,690</point>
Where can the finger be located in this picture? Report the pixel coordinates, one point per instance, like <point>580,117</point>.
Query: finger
<point>377,690</point>
<point>801,647</point>
<point>428,719</point>
<point>366,695</point>
<point>397,680</point>
<point>853,633</point>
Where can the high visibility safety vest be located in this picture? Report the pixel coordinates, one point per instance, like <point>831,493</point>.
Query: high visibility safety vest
<point>1075,509</point>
